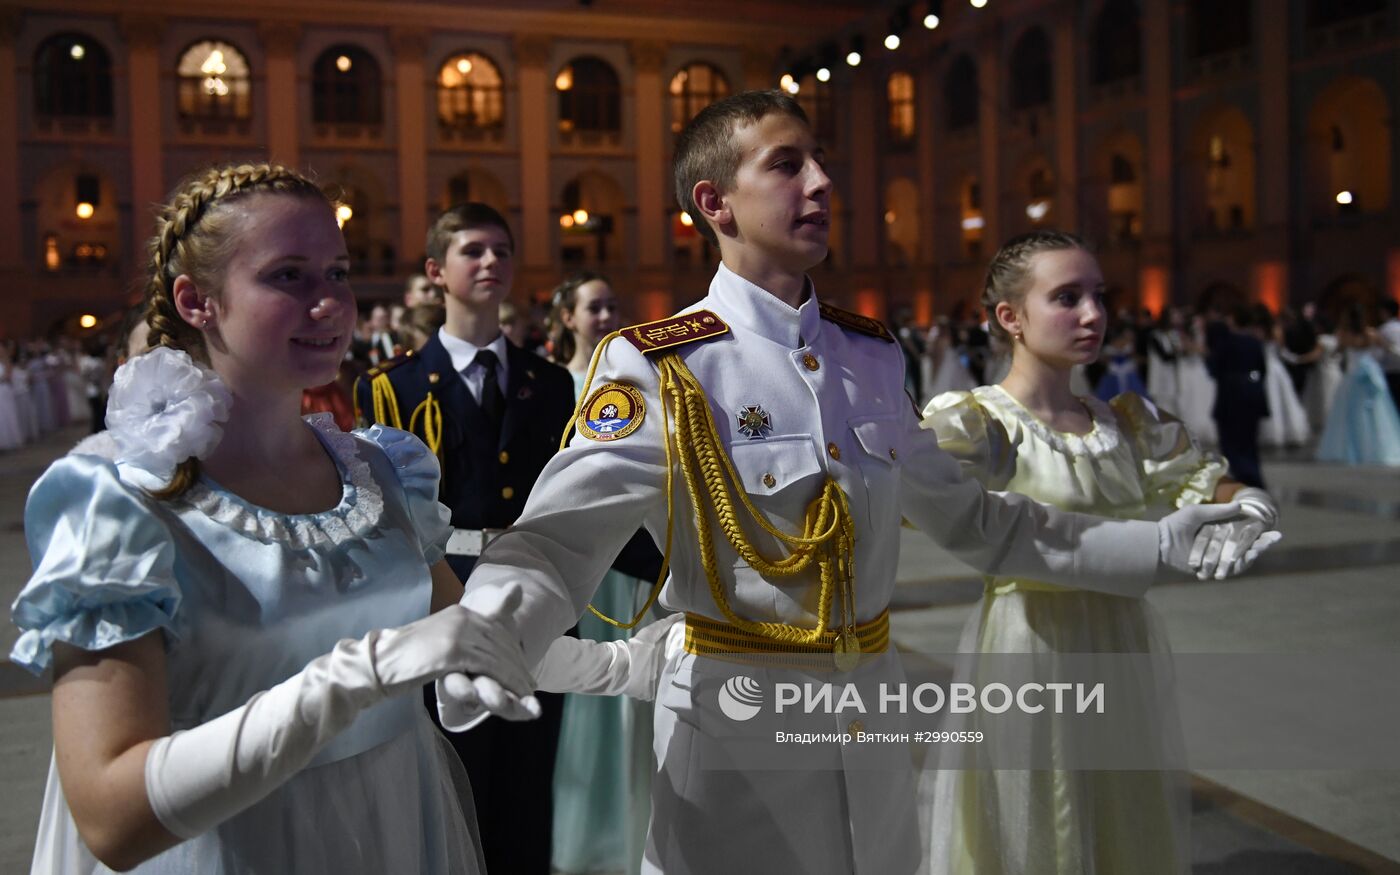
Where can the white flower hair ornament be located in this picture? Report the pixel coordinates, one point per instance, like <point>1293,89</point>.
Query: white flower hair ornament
<point>164,408</point>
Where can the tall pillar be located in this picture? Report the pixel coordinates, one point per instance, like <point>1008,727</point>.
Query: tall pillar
<point>1158,254</point>
<point>409,97</point>
<point>10,256</point>
<point>1066,120</point>
<point>280,40</point>
<point>536,95</point>
<point>867,222</point>
<point>647,60</point>
<point>15,315</point>
<point>926,142</point>
<point>1274,181</point>
<point>989,130</point>
<point>143,34</point>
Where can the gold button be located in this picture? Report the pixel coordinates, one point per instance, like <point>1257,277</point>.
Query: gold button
<point>770,481</point>
<point>505,457</point>
<point>856,727</point>
<point>507,493</point>
<point>432,378</point>
<point>833,451</point>
<point>893,454</point>
<point>810,362</point>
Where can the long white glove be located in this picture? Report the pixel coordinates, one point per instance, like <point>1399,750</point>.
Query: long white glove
<point>197,778</point>
<point>1227,548</point>
<point>1179,532</point>
<point>631,667</point>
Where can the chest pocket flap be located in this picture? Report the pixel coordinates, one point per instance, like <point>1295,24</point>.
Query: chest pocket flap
<point>771,465</point>
<point>880,437</point>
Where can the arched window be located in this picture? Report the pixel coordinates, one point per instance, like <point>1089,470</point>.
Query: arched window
<point>1325,13</point>
<point>693,88</point>
<point>960,94</point>
<point>1117,42</point>
<point>213,83</point>
<point>1219,26</point>
<point>590,98</point>
<point>814,96</point>
<point>469,94</point>
<point>72,77</point>
<point>1030,70</point>
<point>345,87</point>
<point>899,92</point>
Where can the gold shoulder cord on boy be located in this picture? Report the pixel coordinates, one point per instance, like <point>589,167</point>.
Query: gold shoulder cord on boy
<point>828,533</point>
<point>386,404</point>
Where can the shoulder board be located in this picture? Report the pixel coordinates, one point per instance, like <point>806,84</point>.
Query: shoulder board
<point>856,322</point>
<point>392,363</point>
<point>663,334</point>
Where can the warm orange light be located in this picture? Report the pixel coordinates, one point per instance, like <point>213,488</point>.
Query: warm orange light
<point>87,320</point>
<point>343,214</point>
<point>1271,284</point>
<point>1153,283</point>
<point>342,63</point>
<point>869,302</point>
<point>566,221</point>
<point>923,307</point>
<point>581,217</point>
<point>464,66</point>
<point>565,80</point>
<point>84,210</point>
<point>686,220</point>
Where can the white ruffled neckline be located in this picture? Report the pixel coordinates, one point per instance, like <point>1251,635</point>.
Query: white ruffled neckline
<point>1101,440</point>
<point>359,512</point>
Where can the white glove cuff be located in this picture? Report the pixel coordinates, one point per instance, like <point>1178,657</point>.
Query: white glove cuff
<point>1258,504</point>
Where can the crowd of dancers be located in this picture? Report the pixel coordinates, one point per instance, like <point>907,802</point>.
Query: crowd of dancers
<point>1327,382</point>
<point>46,385</point>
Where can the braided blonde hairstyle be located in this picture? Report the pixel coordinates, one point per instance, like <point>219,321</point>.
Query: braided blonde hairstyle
<point>1010,268</point>
<point>195,235</point>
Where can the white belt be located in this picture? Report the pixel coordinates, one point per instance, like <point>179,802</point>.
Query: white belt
<point>470,542</point>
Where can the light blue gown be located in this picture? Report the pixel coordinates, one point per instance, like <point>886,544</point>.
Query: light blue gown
<point>245,598</point>
<point>602,775</point>
<point>1363,427</point>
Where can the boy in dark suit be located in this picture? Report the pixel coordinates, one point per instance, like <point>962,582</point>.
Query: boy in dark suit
<point>493,414</point>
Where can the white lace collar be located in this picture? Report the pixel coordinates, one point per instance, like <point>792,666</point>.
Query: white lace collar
<point>358,514</point>
<point>1101,440</point>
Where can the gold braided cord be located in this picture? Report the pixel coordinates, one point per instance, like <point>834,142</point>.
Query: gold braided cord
<point>431,411</point>
<point>828,533</point>
<point>386,403</point>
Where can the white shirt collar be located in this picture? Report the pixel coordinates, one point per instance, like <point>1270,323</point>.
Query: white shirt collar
<point>758,310</point>
<point>463,353</point>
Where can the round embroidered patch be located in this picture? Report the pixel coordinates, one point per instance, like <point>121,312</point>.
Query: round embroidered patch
<point>614,411</point>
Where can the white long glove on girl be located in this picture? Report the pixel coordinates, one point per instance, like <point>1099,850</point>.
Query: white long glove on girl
<point>197,778</point>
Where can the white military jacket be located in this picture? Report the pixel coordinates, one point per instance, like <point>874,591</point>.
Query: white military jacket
<point>835,405</point>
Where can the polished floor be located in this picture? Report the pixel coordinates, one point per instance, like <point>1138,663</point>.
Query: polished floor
<point>1328,595</point>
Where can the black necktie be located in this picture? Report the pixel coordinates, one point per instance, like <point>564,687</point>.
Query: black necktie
<point>493,402</point>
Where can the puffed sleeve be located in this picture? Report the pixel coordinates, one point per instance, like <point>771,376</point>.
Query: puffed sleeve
<point>418,472</point>
<point>969,434</point>
<point>1176,471</point>
<point>103,564</point>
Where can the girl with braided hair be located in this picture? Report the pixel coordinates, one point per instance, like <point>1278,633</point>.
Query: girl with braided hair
<point>212,592</point>
<point>1027,802</point>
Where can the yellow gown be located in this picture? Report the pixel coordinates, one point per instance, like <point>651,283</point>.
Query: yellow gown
<point>1049,819</point>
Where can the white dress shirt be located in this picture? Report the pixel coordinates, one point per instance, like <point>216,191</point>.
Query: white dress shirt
<point>463,354</point>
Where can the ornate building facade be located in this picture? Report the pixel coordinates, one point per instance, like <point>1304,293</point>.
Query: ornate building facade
<point>1239,147</point>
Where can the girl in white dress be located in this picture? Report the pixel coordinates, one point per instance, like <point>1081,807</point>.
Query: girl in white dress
<point>11,428</point>
<point>1326,378</point>
<point>211,594</point>
<point>941,364</point>
<point>1047,814</point>
<point>1287,424</point>
<point>1195,385</point>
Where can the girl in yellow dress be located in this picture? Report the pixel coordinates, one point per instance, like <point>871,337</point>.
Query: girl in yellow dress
<point>1031,434</point>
